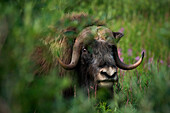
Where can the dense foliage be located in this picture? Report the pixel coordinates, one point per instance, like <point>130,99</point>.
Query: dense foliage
<point>146,27</point>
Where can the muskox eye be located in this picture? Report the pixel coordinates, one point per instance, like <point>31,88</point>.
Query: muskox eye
<point>84,50</point>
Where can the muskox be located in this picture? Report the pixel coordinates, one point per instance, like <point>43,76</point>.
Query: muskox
<point>86,47</point>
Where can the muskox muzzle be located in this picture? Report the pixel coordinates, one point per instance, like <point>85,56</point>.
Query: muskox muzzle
<point>107,76</point>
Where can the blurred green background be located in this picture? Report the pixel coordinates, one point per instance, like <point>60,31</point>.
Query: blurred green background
<point>146,25</point>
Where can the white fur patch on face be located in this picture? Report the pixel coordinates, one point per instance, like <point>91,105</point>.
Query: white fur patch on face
<point>101,77</point>
<point>105,84</point>
<point>109,70</point>
<point>104,79</point>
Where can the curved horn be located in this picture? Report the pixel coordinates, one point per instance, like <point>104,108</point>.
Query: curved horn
<point>84,37</point>
<point>121,65</point>
<point>75,58</point>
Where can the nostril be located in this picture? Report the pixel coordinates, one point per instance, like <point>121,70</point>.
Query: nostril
<point>107,75</point>
<point>114,74</point>
<point>103,73</point>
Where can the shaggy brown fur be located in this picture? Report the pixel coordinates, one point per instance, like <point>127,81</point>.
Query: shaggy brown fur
<point>60,41</point>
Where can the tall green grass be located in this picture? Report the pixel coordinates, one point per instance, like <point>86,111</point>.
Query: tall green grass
<point>146,27</point>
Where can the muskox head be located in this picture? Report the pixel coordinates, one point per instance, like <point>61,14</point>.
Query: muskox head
<point>95,56</point>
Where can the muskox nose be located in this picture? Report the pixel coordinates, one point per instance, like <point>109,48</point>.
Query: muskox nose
<point>109,72</point>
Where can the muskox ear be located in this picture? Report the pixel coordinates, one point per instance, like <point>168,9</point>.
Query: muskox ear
<point>117,36</point>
